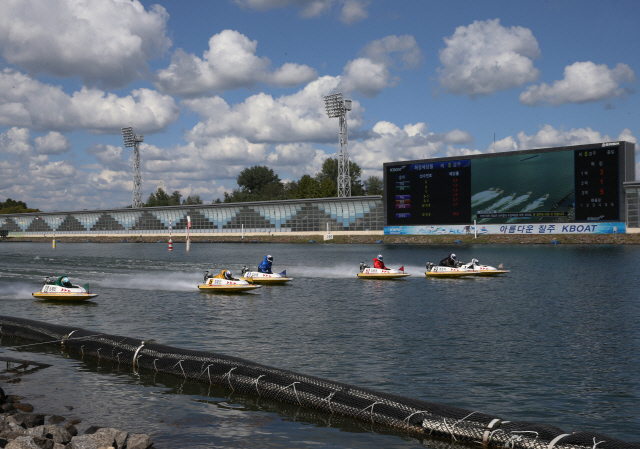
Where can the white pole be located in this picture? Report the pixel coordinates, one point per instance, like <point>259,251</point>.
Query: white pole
<point>475,230</point>
<point>170,241</point>
<point>188,240</point>
<point>242,230</point>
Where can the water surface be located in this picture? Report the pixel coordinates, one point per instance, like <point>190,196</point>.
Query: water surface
<point>556,341</point>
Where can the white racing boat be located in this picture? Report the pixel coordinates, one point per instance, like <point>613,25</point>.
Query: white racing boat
<point>437,271</point>
<point>265,278</point>
<point>220,283</point>
<point>367,272</point>
<point>484,270</point>
<point>63,290</point>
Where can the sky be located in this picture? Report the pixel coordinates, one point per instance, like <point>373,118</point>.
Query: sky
<point>219,86</point>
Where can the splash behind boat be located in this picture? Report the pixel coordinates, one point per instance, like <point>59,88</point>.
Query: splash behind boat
<point>265,278</point>
<point>367,272</point>
<point>220,284</point>
<point>436,271</point>
<point>484,270</point>
<point>63,290</point>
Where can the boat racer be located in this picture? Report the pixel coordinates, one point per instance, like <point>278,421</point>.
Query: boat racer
<point>378,263</point>
<point>449,261</point>
<point>265,265</point>
<point>63,281</point>
<point>225,274</point>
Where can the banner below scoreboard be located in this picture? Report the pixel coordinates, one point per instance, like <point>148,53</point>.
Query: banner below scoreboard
<point>516,229</point>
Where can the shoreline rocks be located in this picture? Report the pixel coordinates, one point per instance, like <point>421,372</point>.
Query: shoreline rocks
<point>22,429</point>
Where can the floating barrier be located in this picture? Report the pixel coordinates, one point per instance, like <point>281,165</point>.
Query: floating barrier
<point>410,415</point>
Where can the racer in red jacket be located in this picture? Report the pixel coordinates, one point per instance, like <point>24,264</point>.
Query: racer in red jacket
<point>378,263</point>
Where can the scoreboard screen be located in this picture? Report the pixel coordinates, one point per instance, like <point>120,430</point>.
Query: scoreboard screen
<point>566,184</point>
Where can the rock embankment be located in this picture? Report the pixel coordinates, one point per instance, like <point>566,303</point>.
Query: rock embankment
<point>20,428</point>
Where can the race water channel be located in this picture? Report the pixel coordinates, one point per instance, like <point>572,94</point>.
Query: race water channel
<point>555,341</point>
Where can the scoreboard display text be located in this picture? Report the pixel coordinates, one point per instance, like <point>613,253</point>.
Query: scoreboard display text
<point>546,186</point>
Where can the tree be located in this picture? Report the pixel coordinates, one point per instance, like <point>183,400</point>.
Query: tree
<point>256,178</point>
<point>373,185</point>
<point>193,199</point>
<point>15,207</point>
<point>162,198</point>
<point>308,187</point>
<point>176,196</point>
<point>330,171</point>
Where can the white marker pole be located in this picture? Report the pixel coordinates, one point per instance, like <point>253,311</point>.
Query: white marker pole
<point>170,241</point>
<point>475,230</point>
<point>188,226</point>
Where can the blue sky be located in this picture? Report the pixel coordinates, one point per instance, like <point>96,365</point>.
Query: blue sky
<point>218,86</point>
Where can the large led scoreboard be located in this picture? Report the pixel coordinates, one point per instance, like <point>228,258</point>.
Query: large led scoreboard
<point>576,184</point>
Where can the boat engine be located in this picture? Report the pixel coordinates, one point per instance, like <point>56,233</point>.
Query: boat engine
<point>430,265</point>
<point>245,269</point>
<point>363,266</point>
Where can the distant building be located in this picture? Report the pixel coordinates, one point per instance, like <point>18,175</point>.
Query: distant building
<point>353,215</point>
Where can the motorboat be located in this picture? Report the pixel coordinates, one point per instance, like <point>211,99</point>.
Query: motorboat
<point>63,290</point>
<point>265,278</point>
<point>220,283</point>
<point>484,270</point>
<point>366,272</point>
<point>437,271</point>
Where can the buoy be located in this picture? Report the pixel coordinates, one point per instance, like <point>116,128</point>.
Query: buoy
<point>54,243</point>
<point>170,245</point>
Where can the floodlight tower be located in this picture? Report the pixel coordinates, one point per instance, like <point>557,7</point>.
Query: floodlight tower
<point>336,106</point>
<point>132,140</point>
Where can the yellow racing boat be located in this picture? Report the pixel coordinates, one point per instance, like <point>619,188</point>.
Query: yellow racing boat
<point>220,283</point>
<point>265,278</point>
<point>436,271</point>
<point>63,290</point>
<point>367,272</point>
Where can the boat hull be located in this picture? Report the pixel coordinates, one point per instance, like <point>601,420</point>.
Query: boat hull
<point>380,273</point>
<point>437,271</point>
<point>383,275</point>
<point>62,296</point>
<point>227,288</point>
<point>488,272</point>
<point>227,285</point>
<point>265,278</point>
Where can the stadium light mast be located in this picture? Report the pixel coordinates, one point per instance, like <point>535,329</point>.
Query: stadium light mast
<point>133,140</point>
<point>336,106</point>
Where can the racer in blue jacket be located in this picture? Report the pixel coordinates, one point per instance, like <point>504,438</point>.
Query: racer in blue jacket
<point>265,265</point>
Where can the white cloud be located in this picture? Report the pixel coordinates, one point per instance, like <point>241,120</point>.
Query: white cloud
<point>28,103</point>
<point>485,57</point>
<point>229,63</point>
<point>111,157</point>
<point>392,143</point>
<point>261,118</point>
<point>16,141</point>
<point>354,11</point>
<point>583,82</point>
<point>105,42</point>
<point>395,51</point>
<point>548,136</point>
<point>53,143</point>
<point>370,74</point>
<point>308,8</point>
<point>366,77</point>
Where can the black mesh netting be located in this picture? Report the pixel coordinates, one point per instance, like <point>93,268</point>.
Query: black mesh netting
<point>412,415</point>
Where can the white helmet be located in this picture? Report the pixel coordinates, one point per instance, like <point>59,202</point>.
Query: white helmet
<point>269,258</point>
<point>227,274</point>
<point>380,257</point>
<point>453,256</point>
